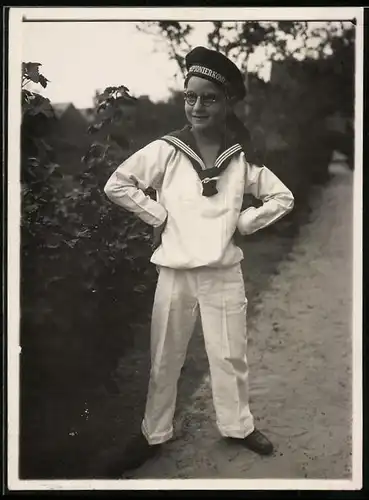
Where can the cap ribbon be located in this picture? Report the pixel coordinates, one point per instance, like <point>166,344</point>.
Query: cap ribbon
<point>202,70</point>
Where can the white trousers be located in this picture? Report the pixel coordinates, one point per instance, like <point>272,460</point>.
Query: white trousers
<point>219,296</point>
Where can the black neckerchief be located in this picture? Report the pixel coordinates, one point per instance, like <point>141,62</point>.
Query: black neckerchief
<point>184,140</point>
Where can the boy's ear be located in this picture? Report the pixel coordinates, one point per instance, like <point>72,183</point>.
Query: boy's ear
<point>231,101</point>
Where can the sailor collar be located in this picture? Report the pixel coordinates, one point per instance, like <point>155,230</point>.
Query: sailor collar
<point>184,140</point>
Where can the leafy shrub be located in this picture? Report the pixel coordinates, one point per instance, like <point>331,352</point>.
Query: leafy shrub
<point>85,273</point>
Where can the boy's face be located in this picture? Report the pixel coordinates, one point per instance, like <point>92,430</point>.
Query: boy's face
<point>200,116</point>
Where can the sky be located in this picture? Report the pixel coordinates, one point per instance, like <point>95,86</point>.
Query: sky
<point>79,58</point>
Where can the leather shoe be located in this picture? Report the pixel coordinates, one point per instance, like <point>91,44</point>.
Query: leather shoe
<point>257,442</point>
<point>136,453</point>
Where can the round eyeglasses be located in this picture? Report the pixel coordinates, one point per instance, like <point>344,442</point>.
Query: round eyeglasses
<point>205,99</point>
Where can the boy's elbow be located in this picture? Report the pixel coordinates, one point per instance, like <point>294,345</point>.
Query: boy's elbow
<point>286,201</point>
<point>290,202</point>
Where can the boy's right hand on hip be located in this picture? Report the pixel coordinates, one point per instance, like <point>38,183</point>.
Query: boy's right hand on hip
<point>157,235</point>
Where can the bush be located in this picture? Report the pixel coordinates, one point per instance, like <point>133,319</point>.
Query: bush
<point>86,279</point>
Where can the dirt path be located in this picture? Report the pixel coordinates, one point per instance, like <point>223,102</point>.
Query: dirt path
<point>300,364</point>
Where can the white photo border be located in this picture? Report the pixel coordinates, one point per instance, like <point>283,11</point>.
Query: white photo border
<point>40,14</point>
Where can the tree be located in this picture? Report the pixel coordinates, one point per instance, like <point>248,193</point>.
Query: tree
<point>175,35</point>
<point>239,40</point>
<point>329,46</point>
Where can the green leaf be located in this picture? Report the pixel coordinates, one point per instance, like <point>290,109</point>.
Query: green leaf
<point>32,71</point>
<point>33,162</point>
<point>42,105</point>
<point>84,233</point>
<point>109,90</point>
<point>27,96</point>
<point>71,243</point>
<point>92,129</point>
<point>95,150</point>
<point>101,106</point>
<point>106,94</point>
<point>122,89</point>
<point>43,81</point>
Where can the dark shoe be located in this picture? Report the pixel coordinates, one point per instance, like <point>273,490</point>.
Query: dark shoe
<point>257,442</point>
<point>137,452</point>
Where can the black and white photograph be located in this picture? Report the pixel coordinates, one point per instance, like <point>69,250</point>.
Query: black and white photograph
<point>184,269</point>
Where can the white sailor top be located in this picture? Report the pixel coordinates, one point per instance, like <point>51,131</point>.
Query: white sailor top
<point>199,224</point>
